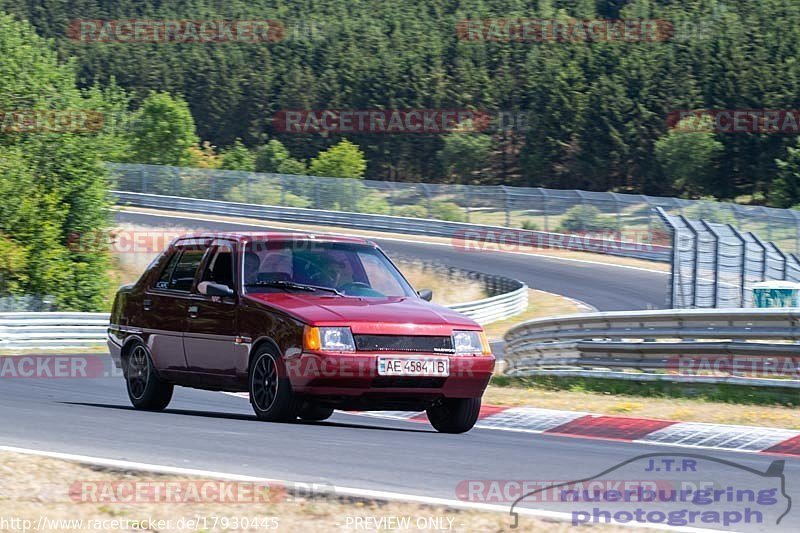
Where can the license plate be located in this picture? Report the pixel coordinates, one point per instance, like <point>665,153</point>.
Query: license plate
<point>413,366</point>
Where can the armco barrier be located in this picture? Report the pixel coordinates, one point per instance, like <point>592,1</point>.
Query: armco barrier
<point>462,232</point>
<point>52,330</point>
<point>662,345</point>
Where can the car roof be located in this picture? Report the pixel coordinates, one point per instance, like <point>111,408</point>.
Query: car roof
<point>241,236</point>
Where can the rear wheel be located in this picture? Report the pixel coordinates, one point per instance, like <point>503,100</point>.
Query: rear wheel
<point>145,389</point>
<point>315,413</point>
<point>454,415</point>
<point>270,390</point>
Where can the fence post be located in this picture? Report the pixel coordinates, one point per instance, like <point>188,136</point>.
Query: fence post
<point>143,171</point>
<point>696,258</point>
<point>716,261</point>
<point>467,199</point>
<point>763,254</point>
<point>506,204</point>
<point>675,260</point>
<point>544,209</point>
<point>796,217</point>
<point>742,264</point>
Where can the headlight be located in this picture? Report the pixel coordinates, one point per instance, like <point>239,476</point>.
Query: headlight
<point>471,342</point>
<point>328,339</point>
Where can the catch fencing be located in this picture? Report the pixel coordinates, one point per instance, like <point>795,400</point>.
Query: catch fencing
<point>531,208</point>
<point>715,265</point>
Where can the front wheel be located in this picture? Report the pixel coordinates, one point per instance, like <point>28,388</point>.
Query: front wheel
<point>270,390</point>
<point>454,415</point>
<point>145,389</point>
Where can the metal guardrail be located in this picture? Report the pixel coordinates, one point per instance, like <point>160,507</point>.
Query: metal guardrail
<point>52,330</point>
<point>663,345</point>
<point>496,308</point>
<point>493,237</point>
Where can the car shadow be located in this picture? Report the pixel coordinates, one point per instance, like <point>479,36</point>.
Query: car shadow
<point>252,418</point>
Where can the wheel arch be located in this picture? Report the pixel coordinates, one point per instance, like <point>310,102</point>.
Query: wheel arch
<point>261,342</point>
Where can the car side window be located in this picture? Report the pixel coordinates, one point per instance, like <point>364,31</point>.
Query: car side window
<point>183,274</point>
<point>220,268</point>
<point>166,273</point>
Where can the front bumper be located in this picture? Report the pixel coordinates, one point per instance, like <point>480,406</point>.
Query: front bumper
<point>351,376</point>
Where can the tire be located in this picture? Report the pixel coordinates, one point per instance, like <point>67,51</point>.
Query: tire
<point>146,390</point>
<point>315,413</point>
<point>270,390</point>
<point>454,415</point>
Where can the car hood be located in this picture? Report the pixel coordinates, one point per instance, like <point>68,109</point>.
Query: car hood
<point>368,315</point>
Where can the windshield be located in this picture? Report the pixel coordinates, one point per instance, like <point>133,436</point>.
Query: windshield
<point>343,269</point>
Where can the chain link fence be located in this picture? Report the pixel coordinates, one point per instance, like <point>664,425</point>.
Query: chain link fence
<point>550,210</point>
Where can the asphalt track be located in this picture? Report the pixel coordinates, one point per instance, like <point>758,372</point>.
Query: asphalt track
<point>213,431</point>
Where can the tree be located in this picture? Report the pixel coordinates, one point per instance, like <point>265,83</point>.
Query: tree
<point>238,157</point>
<point>342,160</point>
<point>464,155</point>
<point>687,156</point>
<point>785,188</point>
<point>53,184</point>
<point>270,156</point>
<point>163,131</point>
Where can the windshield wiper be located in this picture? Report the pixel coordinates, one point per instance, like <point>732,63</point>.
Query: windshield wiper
<point>282,284</point>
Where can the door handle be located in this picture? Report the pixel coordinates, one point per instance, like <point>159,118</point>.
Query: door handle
<point>193,311</point>
<point>147,304</point>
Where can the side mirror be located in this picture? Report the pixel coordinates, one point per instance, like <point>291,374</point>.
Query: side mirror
<point>208,288</point>
<point>425,294</point>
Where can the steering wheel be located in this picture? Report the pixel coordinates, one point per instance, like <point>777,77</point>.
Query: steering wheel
<point>357,288</point>
<point>315,274</point>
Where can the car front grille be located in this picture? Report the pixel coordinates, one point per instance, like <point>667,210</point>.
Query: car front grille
<point>404,343</point>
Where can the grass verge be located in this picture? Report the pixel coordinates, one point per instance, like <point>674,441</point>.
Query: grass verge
<point>540,305</point>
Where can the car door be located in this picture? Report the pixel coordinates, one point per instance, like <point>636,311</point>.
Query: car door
<point>210,340</point>
<point>165,306</point>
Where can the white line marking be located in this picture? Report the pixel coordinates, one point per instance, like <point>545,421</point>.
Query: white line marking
<point>330,490</point>
<point>395,239</point>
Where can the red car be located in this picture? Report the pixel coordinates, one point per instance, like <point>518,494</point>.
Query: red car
<point>304,323</point>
